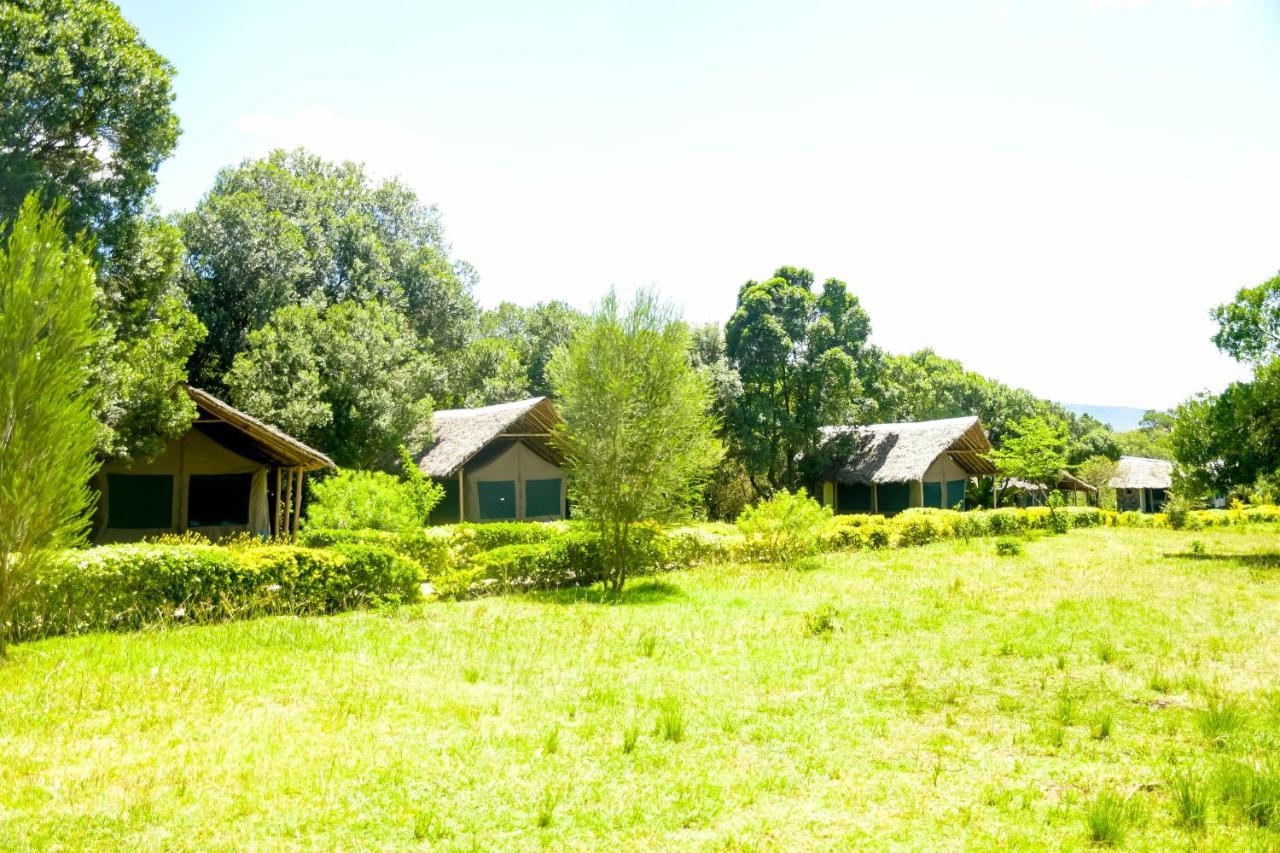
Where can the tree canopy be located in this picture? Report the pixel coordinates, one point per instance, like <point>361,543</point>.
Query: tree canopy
<point>803,361</point>
<point>85,114</point>
<point>293,229</point>
<point>348,379</point>
<point>1249,325</point>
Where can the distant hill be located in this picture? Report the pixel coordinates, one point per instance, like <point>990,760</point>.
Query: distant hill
<point>1121,418</point>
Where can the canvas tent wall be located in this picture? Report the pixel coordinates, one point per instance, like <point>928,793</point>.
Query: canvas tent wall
<point>497,463</point>
<point>886,468</point>
<point>228,474</point>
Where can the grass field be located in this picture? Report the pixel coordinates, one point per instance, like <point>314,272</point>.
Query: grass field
<point>1107,685</point>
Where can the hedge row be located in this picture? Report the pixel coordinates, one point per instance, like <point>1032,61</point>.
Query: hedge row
<point>125,587</point>
<point>469,559</point>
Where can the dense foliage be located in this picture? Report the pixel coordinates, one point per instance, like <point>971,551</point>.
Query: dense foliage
<point>803,361</point>
<point>373,500</point>
<point>350,380</point>
<point>123,587</point>
<point>47,428</point>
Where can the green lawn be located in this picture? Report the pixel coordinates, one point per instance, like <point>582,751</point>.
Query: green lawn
<point>957,699</point>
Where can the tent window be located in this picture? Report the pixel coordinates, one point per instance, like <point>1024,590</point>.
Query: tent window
<point>541,498</point>
<point>933,495</point>
<point>140,501</point>
<point>497,499</point>
<point>893,497</point>
<point>218,500</point>
<point>853,497</point>
<point>955,493</point>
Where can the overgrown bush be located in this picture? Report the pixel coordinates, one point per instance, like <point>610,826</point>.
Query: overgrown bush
<point>785,527</point>
<point>372,500</point>
<point>125,587</point>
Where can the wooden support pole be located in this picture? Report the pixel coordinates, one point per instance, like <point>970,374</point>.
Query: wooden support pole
<point>297,505</point>
<point>462,497</point>
<point>275,528</point>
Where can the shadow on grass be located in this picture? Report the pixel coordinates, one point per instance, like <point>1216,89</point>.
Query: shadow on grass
<point>1264,561</point>
<point>636,593</point>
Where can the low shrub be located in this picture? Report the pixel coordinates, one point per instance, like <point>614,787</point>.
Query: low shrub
<point>783,528</point>
<point>1007,546</point>
<point>125,587</point>
<point>372,500</point>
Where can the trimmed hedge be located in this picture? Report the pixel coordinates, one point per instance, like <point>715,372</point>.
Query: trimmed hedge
<point>125,587</point>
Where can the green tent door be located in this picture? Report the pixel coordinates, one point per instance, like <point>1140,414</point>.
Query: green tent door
<point>542,498</point>
<point>497,500</point>
<point>893,497</point>
<point>933,495</point>
<point>853,497</point>
<point>955,493</point>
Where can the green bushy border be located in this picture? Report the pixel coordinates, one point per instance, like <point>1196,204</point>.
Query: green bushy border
<point>126,587</point>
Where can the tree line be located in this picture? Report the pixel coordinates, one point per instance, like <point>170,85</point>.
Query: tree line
<point>331,304</point>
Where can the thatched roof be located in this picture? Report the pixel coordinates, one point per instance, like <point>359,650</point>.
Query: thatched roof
<point>1139,472</point>
<point>1067,482</point>
<point>462,433</point>
<point>245,434</point>
<point>899,453</point>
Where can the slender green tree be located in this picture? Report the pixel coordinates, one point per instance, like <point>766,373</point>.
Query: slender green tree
<point>1034,452</point>
<point>48,329</point>
<point>637,431</point>
<point>1249,325</point>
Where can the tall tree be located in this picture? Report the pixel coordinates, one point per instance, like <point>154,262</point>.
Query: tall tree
<point>1249,325</point>
<point>85,113</point>
<point>636,429</point>
<point>350,379</point>
<point>86,116</point>
<point>47,428</point>
<point>293,229</point>
<point>804,362</point>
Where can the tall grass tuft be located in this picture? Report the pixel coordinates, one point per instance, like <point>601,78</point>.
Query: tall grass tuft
<point>1108,819</point>
<point>551,741</point>
<point>546,811</point>
<point>630,737</point>
<point>1103,723</point>
<point>1221,717</point>
<point>1255,790</point>
<point>670,719</point>
<point>1190,798</point>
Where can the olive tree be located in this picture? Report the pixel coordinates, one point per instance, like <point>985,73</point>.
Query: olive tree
<point>637,431</point>
<point>47,426</point>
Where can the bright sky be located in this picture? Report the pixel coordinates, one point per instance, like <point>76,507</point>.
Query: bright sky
<point>1053,191</point>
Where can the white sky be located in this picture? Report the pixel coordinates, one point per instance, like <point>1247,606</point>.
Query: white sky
<point>1054,193</point>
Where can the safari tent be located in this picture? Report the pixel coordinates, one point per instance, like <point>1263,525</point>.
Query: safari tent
<point>229,473</point>
<point>886,468</point>
<point>497,463</point>
<point>1141,484</point>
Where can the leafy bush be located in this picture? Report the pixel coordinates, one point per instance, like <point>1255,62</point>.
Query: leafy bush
<point>785,527</point>
<point>365,500</point>
<point>1008,547</point>
<point>125,587</point>
<point>1177,511</point>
